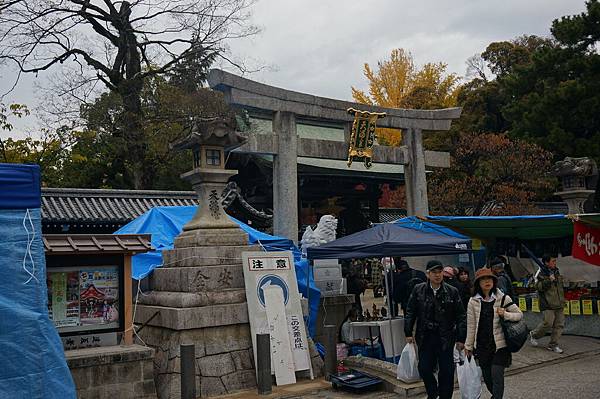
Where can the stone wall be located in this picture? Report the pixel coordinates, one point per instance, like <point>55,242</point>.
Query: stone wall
<point>113,372</point>
<point>224,359</point>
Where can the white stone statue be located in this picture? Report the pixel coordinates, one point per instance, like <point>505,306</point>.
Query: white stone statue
<point>323,233</point>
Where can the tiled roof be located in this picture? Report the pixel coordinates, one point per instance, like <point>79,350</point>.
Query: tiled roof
<point>61,205</point>
<point>63,244</point>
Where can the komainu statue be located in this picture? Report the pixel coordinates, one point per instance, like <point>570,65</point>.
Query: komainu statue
<point>575,167</point>
<point>323,233</point>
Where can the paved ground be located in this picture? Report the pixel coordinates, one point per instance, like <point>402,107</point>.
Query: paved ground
<point>577,378</point>
<point>536,374</point>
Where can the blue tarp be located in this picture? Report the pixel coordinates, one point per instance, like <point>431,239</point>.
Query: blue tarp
<point>413,222</point>
<point>19,186</point>
<point>32,359</point>
<point>166,222</point>
<point>390,239</point>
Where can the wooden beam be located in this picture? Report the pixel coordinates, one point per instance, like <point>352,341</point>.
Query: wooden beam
<point>128,302</point>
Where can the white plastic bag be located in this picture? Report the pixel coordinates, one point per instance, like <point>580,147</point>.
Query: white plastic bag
<point>407,366</point>
<point>469,379</point>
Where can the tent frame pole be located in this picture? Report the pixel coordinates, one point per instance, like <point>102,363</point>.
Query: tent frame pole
<point>389,296</point>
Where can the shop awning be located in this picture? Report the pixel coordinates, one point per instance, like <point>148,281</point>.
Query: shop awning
<point>389,239</point>
<point>533,227</point>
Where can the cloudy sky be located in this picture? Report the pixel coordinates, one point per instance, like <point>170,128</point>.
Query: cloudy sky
<point>320,46</point>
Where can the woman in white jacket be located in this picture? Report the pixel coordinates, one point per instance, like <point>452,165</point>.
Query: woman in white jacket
<point>485,338</point>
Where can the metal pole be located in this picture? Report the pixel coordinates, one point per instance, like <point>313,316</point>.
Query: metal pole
<point>188,371</point>
<point>391,329</point>
<point>472,262</point>
<point>264,381</point>
<point>330,351</point>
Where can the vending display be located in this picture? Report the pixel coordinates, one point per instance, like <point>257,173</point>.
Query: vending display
<point>84,298</point>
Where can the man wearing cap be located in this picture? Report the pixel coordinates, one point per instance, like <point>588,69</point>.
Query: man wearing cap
<point>440,317</point>
<point>504,282</point>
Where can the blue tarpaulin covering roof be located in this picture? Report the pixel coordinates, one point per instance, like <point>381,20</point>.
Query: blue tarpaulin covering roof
<point>166,222</point>
<point>33,363</point>
<point>413,222</point>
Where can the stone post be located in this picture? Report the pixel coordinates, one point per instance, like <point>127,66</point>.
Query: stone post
<point>414,173</point>
<point>285,177</point>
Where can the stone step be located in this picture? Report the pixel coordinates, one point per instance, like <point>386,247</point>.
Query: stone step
<point>189,300</point>
<point>385,371</point>
<point>192,317</point>
<point>211,237</point>
<point>197,279</point>
<point>206,256</point>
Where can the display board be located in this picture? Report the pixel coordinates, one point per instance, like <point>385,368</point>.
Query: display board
<point>267,269</point>
<point>84,298</point>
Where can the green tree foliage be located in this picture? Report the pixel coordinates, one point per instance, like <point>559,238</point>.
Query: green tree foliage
<point>121,44</point>
<point>99,157</point>
<point>556,97</point>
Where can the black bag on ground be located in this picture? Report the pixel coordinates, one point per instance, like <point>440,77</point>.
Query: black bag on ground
<point>515,332</point>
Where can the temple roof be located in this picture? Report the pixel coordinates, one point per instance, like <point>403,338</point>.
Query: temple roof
<point>117,207</point>
<point>61,205</point>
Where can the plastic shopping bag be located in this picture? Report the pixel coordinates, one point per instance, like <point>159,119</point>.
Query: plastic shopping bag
<point>407,366</point>
<point>469,379</point>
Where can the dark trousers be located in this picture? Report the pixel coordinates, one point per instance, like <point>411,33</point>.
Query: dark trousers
<point>493,376</point>
<point>430,355</point>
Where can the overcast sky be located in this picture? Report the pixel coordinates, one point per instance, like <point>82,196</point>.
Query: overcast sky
<point>319,46</point>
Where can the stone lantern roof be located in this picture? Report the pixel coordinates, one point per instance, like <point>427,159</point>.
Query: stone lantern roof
<point>214,131</point>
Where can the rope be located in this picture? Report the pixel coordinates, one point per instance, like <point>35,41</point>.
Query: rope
<point>30,239</point>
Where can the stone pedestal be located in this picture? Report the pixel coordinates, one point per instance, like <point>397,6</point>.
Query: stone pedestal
<point>198,296</point>
<point>575,199</point>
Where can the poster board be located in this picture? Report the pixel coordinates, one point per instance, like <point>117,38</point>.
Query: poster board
<point>264,269</point>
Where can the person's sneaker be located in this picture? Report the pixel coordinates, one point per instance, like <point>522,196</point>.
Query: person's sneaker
<point>555,349</point>
<point>532,341</point>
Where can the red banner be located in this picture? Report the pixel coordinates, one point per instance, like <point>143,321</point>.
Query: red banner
<point>586,243</point>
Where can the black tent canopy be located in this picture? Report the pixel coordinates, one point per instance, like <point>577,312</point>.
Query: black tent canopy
<point>388,239</point>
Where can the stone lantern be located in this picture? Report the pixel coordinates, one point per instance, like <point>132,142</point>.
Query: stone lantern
<point>209,139</point>
<point>578,177</point>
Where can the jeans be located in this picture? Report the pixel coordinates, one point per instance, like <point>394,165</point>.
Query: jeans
<point>493,376</point>
<point>432,355</point>
<point>554,320</point>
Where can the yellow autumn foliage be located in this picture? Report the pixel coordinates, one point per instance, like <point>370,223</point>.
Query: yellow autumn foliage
<point>398,83</point>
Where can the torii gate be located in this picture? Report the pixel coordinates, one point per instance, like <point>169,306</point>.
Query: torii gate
<point>286,107</point>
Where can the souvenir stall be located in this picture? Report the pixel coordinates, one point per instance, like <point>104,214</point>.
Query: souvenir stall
<point>389,240</point>
<point>574,239</point>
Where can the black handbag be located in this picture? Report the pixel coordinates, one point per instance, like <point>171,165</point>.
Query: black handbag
<point>515,332</point>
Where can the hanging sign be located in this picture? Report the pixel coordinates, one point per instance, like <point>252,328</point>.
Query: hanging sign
<point>566,308</point>
<point>522,304</point>
<point>535,305</point>
<point>575,307</point>
<point>362,136</point>
<point>270,279</point>
<point>587,307</point>
<point>586,243</point>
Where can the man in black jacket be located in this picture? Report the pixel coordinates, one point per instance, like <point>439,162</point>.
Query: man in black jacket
<point>405,279</point>
<point>438,312</point>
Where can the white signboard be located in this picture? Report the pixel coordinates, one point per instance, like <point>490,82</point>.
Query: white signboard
<point>261,271</point>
